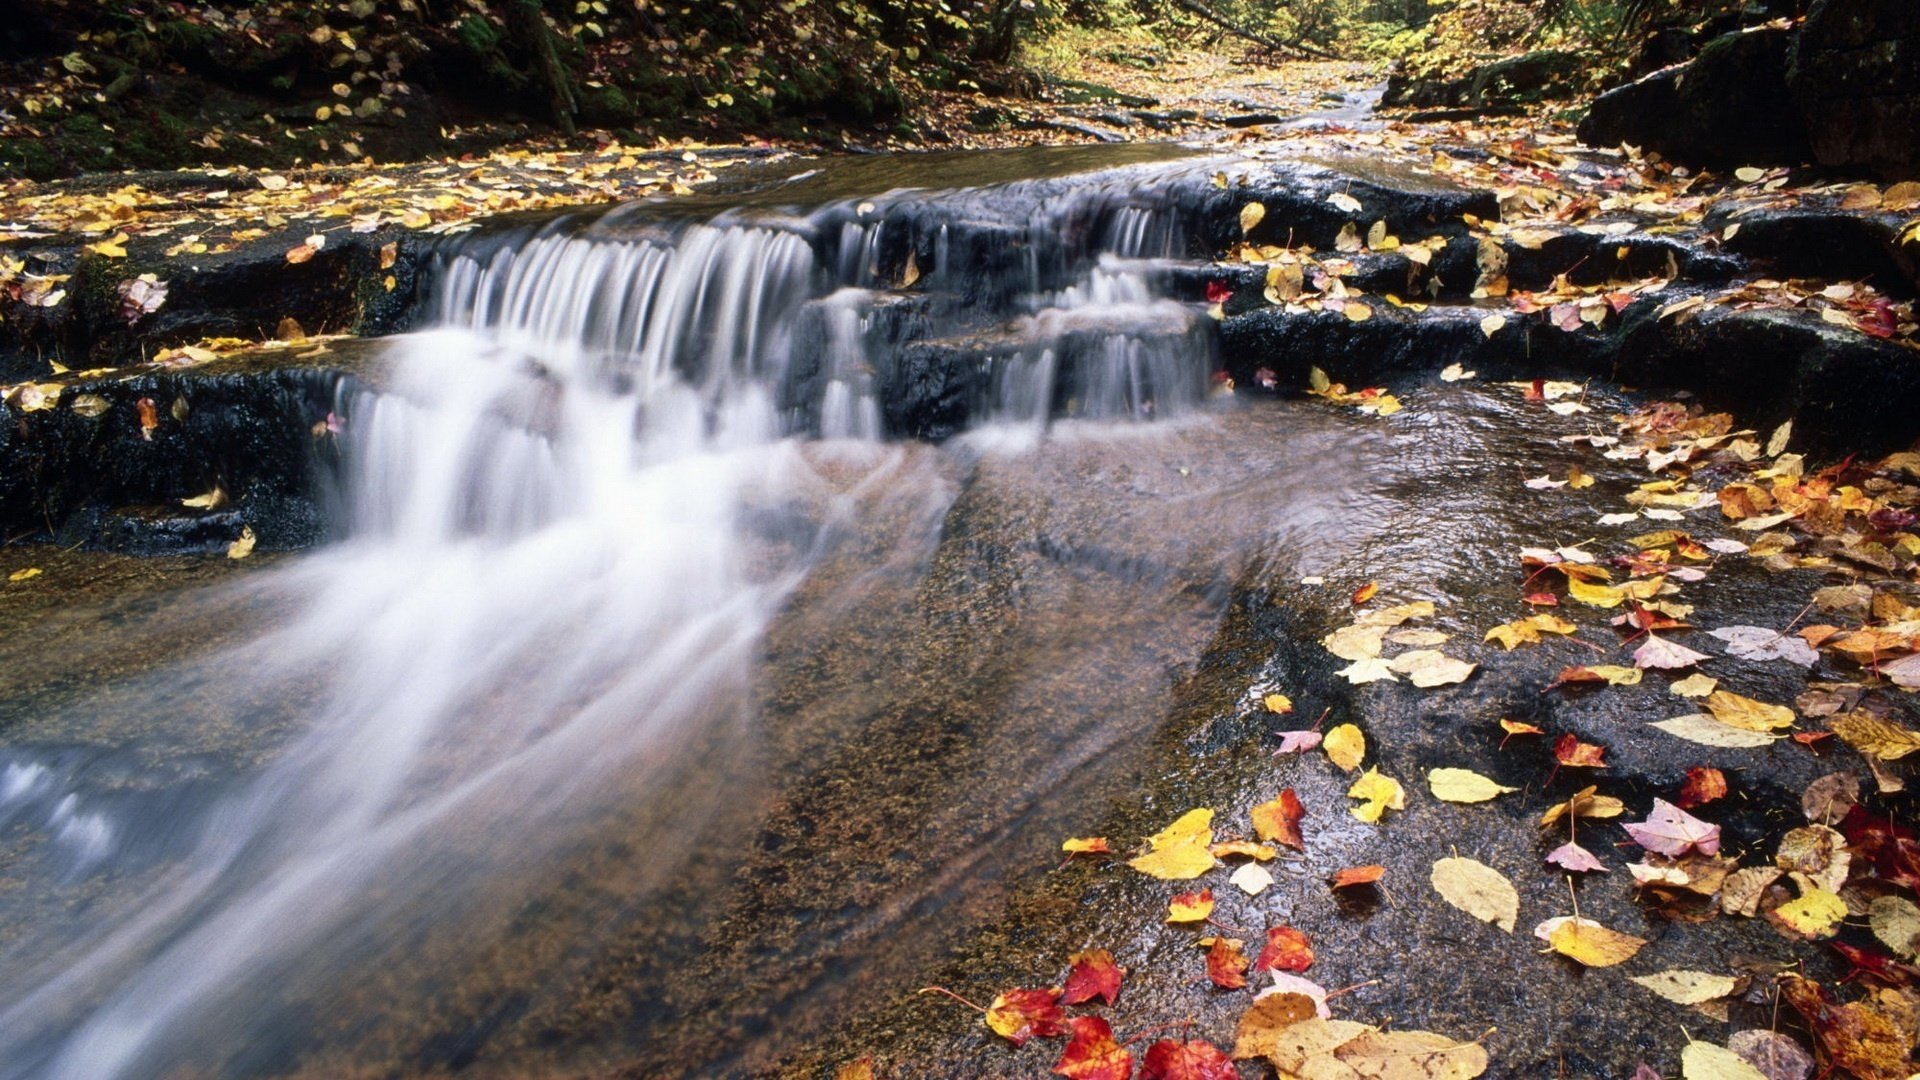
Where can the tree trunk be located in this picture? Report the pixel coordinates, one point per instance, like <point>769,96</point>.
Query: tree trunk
<point>526,24</point>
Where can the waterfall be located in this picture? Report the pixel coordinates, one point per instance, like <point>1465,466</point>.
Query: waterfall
<point>547,591</point>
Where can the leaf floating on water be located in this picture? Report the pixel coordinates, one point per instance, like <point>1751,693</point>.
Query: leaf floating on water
<point>1092,974</point>
<point>1477,889</point>
<point>1091,1053</point>
<point>1345,746</point>
<point>1456,373</point>
<point>1181,851</point>
<point>1366,592</point>
<point>1377,795</point>
<point>1588,942</point>
<point>242,547</point>
<point>1463,786</point>
<point>1019,1015</point>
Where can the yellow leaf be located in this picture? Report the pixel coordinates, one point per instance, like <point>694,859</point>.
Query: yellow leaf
<point>1085,845</point>
<point>1874,737</point>
<point>1617,675</point>
<point>24,575</point>
<point>242,547</point>
<point>1814,914</point>
<point>1463,786</point>
<point>1180,851</point>
<point>1527,631</point>
<point>1284,1028</point>
<point>1345,747</point>
<point>1359,312</point>
<point>1429,668</point>
<point>113,248</point>
<point>1683,987</point>
<point>211,499</point>
<point>1277,703</point>
<point>1191,907</point>
<point>1746,713</point>
<point>1587,941</point>
<point>1705,730</point>
<point>1250,216</point>
<point>1477,889</point>
<point>1407,1055</point>
<point>1377,794</point>
<point>1705,1061</point>
<point>1695,685</point>
<point>1584,803</point>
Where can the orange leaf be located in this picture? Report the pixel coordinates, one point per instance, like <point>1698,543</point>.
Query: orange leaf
<point>1226,964</point>
<point>1093,975</point>
<point>149,417</point>
<point>1019,1015</point>
<point>1515,727</point>
<point>1086,845</point>
<point>1287,949</point>
<point>1091,1053</point>
<point>1365,592</point>
<point>1278,821</point>
<point>1704,784</point>
<point>1573,753</point>
<point>1169,1059</point>
<point>1358,875</point>
<point>1191,907</point>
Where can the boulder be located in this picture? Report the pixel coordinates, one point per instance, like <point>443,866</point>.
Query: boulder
<point>1855,79</point>
<point>1729,106</point>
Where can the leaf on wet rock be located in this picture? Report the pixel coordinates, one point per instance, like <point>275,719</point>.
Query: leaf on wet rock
<point>1298,742</point>
<point>27,574</point>
<point>1353,876</point>
<point>1226,963</point>
<point>1477,889</point>
<point>1190,907</point>
<point>1742,891</point>
<point>1611,674</point>
<point>1857,1037</point>
<point>1286,949</point>
<point>1874,737</point>
<point>1703,785</point>
<point>1695,685</point>
<point>1424,639</point>
<point>1573,857</point>
<point>1345,746</point>
<point>1588,942</point>
<point>1659,652</point>
<point>1905,672</point>
<point>1195,1059</point>
<point>1408,1055</point>
<point>1815,913</point>
<point>1227,849</point>
<point>1777,1056</point>
<point>1366,671</point>
<point>1527,631</point>
<point>1086,845</point>
<point>1019,1015</point>
<point>1092,1054</point>
<point>1670,830</point>
<point>1250,215</point>
<point>1092,974</point>
<point>1278,704</point>
<point>1705,730</point>
<point>1760,643</point>
<point>1516,727</point>
<point>1584,803</point>
<point>1345,202</point>
<point>1181,851</point>
<point>1428,668</point>
<point>1377,795</point>
<point>1572,753</point>
<point>1705,1061</point>
<point>1828,798</point>
<point>1687,987</point>
<point>242,547</point>
<point>1896,922</point>
<point>1252,879</point>
<point>1278,820</point>
<point>1285,1028</point>
<point>1747,714</point>
<point>1463,786</point>
<point>1817,853</point>
<point>1356,642</point>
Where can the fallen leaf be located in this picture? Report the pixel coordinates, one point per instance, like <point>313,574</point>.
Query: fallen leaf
<point>1686,987</point>
<point>1777,1056</point>
<point>1195,1059</point>
<point>1463,786</point>
<point>1092,974</point>
<point>1278,820</point>
<point>1226,964</point>
<point>1019,1015</point>
<point>1086,845</point>
<point>1477,889</point>
<point>1744,712</point>
<point>27,574</point>
<point>1576,858</point>
<point>1705,1061</point>
<point>1896,922</point>
<point>1527,631</point>
<point>1814,913</point>
<point>1282,1026</point>
<point>1286,949</point>
<point>1357,875</point>
<point>1828,798</point>
<point>1298,742</point>
<point>1857,1037</point>
<point>1279,704</point>
<point>1366,671</point>
<point>1573,753</point>
<point>1091,1053</point>
<point>1705,730</point>
<point>242,547</point>
<point>1252,879</point>
<point>1427,668</point>
<point>1760,643</point>
<point>1366,592</point>
<point>1703,785</point>
<point>1587,941</point>
<point>1377,794</point>
<point>1695,685</point>
<point>1180,851</point>
<point>1658,652</point>
<point>1408,1055</point>
<point>1584,803</point>
<point>1874,737</point>
<point>1191,907</point>
<point>1672,831</point>
<point>1345,746</point>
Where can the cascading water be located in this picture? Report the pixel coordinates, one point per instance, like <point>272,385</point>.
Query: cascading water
<point>558,573</point>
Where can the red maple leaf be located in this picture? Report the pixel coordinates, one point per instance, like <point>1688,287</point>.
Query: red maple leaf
<point>1093,975</point>
<point>1226,964</point>
<point>1195,1060</point>
<point>1287,949</point>
<point>1091,1053</point>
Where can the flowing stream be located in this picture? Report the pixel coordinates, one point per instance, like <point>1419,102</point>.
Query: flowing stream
<point>639,469</point>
